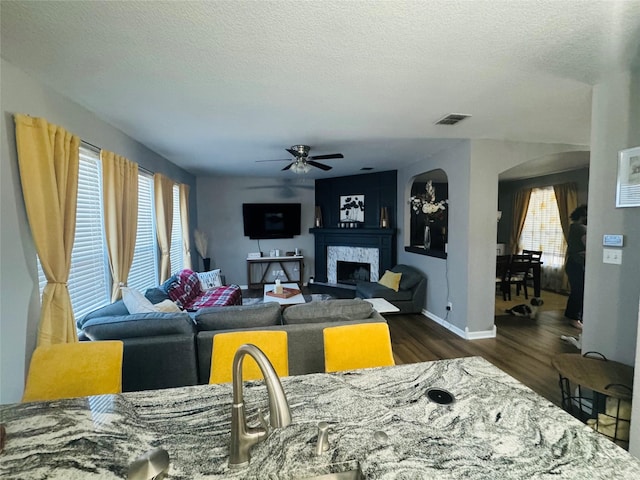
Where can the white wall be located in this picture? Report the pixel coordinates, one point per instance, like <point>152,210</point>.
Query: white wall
<point>220,202</point>
<point>19,297</point>
<point>612,291</point>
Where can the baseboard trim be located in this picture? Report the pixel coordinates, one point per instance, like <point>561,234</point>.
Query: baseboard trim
<point>466,334</point>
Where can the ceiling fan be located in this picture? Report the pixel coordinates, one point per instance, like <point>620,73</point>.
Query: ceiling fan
<point>303,162</point>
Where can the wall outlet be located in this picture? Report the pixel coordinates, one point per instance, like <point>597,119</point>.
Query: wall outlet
<point>449,306</point>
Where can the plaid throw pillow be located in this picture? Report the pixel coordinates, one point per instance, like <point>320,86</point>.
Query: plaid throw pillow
<point>186,289</point>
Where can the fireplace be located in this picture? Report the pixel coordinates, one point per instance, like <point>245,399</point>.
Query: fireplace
<point>352,258</point>
<point>372,246</point>
<point>353,272</point>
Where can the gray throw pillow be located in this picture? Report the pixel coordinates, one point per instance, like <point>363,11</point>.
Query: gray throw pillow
<point>156,295</point>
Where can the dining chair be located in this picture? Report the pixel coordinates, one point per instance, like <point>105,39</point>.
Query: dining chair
<point>273,343</point>
<point>79,369</point>
<point>519,268</point>
<point>536,257</point>
<point>502,272</point>
<point>363,345</point>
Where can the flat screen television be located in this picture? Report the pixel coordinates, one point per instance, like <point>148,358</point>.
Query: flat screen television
<point>271,220</point>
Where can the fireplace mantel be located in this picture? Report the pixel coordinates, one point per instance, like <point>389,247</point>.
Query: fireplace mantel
<point>384,239</point>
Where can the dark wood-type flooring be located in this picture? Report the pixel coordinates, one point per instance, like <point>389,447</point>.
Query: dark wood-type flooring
<point>523,347</point>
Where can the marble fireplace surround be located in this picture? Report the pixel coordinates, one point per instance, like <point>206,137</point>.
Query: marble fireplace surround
<point>375,246</point>
<point>370,256</point>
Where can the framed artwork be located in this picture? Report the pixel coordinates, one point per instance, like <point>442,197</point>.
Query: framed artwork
<point>352,208</point>
<point>628,186</point>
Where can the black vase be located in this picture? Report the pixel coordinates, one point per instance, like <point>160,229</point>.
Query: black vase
<point>207,264</point>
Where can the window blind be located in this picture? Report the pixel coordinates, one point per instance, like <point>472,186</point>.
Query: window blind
<point>144,269</point>
<point>542,228</point>
<point>89,280</point>
<point>176,256</point>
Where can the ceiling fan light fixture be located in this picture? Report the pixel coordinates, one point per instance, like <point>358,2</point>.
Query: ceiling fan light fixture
<point>300,167</point>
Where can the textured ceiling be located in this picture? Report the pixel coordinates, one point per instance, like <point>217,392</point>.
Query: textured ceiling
<point>216,85</point>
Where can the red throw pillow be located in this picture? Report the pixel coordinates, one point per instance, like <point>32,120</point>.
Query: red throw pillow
<point>186,289</point>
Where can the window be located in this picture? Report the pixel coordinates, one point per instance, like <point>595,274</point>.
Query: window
<point>89,278</point>
<point>175,255</point>
<point>542,229</point>
<point>144,270</point>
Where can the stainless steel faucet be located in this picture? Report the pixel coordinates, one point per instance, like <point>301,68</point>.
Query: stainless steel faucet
<point>244,437</point>
<point>322,444</point>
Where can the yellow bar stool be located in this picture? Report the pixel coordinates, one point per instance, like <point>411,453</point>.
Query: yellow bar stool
<point>363,345</point>
<point>272,342</point>
<point>67,370</point>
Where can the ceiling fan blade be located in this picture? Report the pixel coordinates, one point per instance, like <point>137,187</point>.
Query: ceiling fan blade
<point>292,152</point>
<point>276,160</point>
<point>326,157</point>
<point>322,166</point>
<point>288,166</point>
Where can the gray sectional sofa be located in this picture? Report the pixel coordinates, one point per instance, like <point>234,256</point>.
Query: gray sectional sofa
<point>159,348</point>
<point>163,350</point>
<point>411,295</point>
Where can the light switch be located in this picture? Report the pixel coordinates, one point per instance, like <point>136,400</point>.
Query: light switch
<point>612,255</point>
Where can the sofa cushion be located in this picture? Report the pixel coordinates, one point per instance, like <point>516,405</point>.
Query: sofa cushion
<point>410,276</point>
<point>138,325</point>
<point>375,290</point>
<point>156,295</point>
<point>186,289</point>
<point>236,317</point>
<point>113,309</point>
<point>168,282</point>
<point>391,280</point>
<point>327,311</point>
<point>135,301</point>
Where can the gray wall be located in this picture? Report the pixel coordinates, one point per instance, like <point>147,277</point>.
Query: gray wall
<point>220,215</point>
<point>19,296</point>
<point>507,190</point>
<point>466,277</point>
<point>612,291</point>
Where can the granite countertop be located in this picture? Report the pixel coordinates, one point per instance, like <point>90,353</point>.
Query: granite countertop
<point>496,429</point>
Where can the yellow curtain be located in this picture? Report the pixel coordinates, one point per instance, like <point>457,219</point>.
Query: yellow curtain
<point>163,199</point>
<point>120,192</point>
<point>184,216</point>
<point>567,200</point>
<point>520,207</point>
<point>48,157</point>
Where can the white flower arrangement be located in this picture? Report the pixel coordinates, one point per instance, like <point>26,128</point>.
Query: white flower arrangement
<point>426,203</point>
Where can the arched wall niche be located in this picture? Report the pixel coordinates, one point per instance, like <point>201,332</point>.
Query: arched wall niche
<point>438,224</point>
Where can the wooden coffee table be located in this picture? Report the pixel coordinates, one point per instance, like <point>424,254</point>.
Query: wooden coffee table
<point>296,299</point>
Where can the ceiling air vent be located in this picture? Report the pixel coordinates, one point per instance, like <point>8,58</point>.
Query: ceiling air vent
<point>452,118</point>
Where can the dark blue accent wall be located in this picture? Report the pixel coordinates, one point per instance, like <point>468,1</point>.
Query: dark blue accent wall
<point>379,190</point>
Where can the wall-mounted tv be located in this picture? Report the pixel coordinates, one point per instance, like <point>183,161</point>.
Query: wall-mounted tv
<point>271,220</point>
